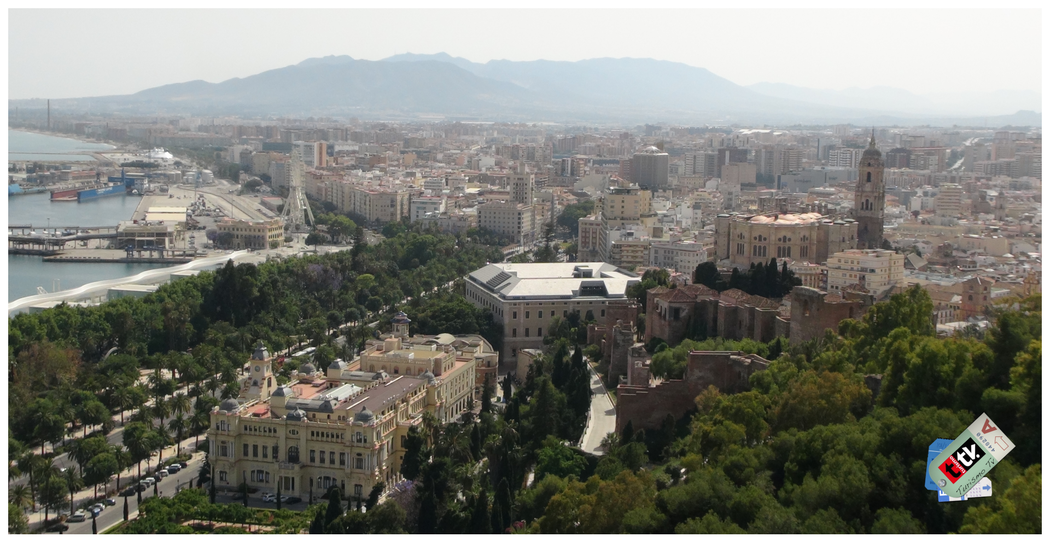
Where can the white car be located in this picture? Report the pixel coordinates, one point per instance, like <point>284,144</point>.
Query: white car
<point>268,497</point>
<point>161,474</point>
<point>149,481</point>
<point>78,517</point>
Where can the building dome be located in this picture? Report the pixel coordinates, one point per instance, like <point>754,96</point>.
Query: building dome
<point>283,391</point>
<point>400,319</point>
<point>261,353</point>
<point>229,405</point>
<point>297,415</point>
<point>307,369</point>
<point>337,364</point>
<point>364,416</point>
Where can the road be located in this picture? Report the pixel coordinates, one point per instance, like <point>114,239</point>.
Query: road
<point>602,418</point>
<point>115,514</point>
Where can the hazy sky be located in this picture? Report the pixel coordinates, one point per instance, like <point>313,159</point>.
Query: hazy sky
<point>77,53</point>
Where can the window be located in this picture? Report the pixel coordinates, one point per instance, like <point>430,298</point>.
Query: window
<point>222,476</point>
<point>540,314</point>
<point>869,176</point>
<point>313,456</point>
<point>514,333</point>
<point>274,453</point>
<point>293,454</point>
<point>564,312</point>
<point>342,459</point>
<point>358,489</point>
<point>359,462</point>
<point>527,330</point>
<point>515,315</point>
<point>331,457</point>
<point>539,331</point>
<point>255,450</point>
<point>527,316</point>
<point>223,451</point>
<point>245,453</point>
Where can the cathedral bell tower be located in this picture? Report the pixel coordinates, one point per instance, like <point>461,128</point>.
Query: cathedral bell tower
<point>869,200</point>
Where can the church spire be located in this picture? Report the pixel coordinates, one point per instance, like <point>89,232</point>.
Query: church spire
<point>872,143</point>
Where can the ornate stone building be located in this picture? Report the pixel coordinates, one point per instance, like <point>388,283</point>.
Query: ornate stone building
<point>869,199</point>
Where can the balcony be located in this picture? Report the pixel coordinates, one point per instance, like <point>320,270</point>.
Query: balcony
<point>287,466</point>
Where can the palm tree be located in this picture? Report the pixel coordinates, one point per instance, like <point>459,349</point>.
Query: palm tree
<point>46,469</point>
<point>74,482</point>
<point>180,404</point>
<point>123,458</point>
<point>29,463</point>
<point>199,422</point>
<point>177,425</point>
<point>123,397</point>
<point>21,496</point>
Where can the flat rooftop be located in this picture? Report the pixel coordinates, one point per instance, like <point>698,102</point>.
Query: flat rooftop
<point>554,280</point>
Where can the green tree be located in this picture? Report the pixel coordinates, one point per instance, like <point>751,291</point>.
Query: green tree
<point>1017,510</point>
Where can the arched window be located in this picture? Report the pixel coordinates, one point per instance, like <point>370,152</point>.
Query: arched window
<point>869,176</point>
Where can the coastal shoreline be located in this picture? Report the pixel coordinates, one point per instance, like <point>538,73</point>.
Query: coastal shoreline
<point>98,155</point>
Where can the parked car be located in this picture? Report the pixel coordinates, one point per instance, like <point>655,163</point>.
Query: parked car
<point>184,464</point>
<point>149,481</point>
<point>109,502</point>
<point>129,491</point>
<point>291,500</point>
<point>160,474</point>
<point>79,517</point>
<point>58,528</point>
<point>172,469</point>
<point>96,508</point>
<point>268,497</point>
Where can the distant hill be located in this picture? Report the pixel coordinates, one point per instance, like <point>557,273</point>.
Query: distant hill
<point>439,86</point>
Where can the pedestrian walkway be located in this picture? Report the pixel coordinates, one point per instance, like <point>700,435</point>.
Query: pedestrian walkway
<point>601,420</point>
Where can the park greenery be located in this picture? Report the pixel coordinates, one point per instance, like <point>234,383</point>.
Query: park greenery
<point>160,363</point>
<point>808,449</point>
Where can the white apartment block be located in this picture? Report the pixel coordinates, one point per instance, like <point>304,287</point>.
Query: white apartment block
<point>510,219</point>
<point>680,256</point>
<point>845,157</point>
<point>876,269</point>
<point>949,200</point>
<point>423,205</point>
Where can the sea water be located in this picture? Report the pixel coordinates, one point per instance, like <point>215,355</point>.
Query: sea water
<point>30,146</point>
<point>27,272</point>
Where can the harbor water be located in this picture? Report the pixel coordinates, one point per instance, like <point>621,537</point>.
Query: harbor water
<point>26,272</point>
<point>30,146</point>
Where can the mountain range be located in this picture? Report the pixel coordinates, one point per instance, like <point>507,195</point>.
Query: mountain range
<point>599,91</point>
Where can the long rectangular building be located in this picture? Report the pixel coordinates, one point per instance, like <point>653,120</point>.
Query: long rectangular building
<point>525,297</point>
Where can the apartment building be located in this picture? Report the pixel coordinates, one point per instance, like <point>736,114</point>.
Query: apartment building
<point>680,256</point>
<point>877,270</point>
<point>511,219</point>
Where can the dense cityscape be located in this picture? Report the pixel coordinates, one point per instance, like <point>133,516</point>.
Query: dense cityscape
<point>348,325</point>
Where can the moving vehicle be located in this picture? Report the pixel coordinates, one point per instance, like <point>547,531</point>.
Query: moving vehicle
<point>161,474</point>
<point>79,517</point>
<point>109,502</point>
<point>149,481</point>
<point>291,500</point>
<point>172,469</point>
<point>268,497</point>
<point>57,528</point>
